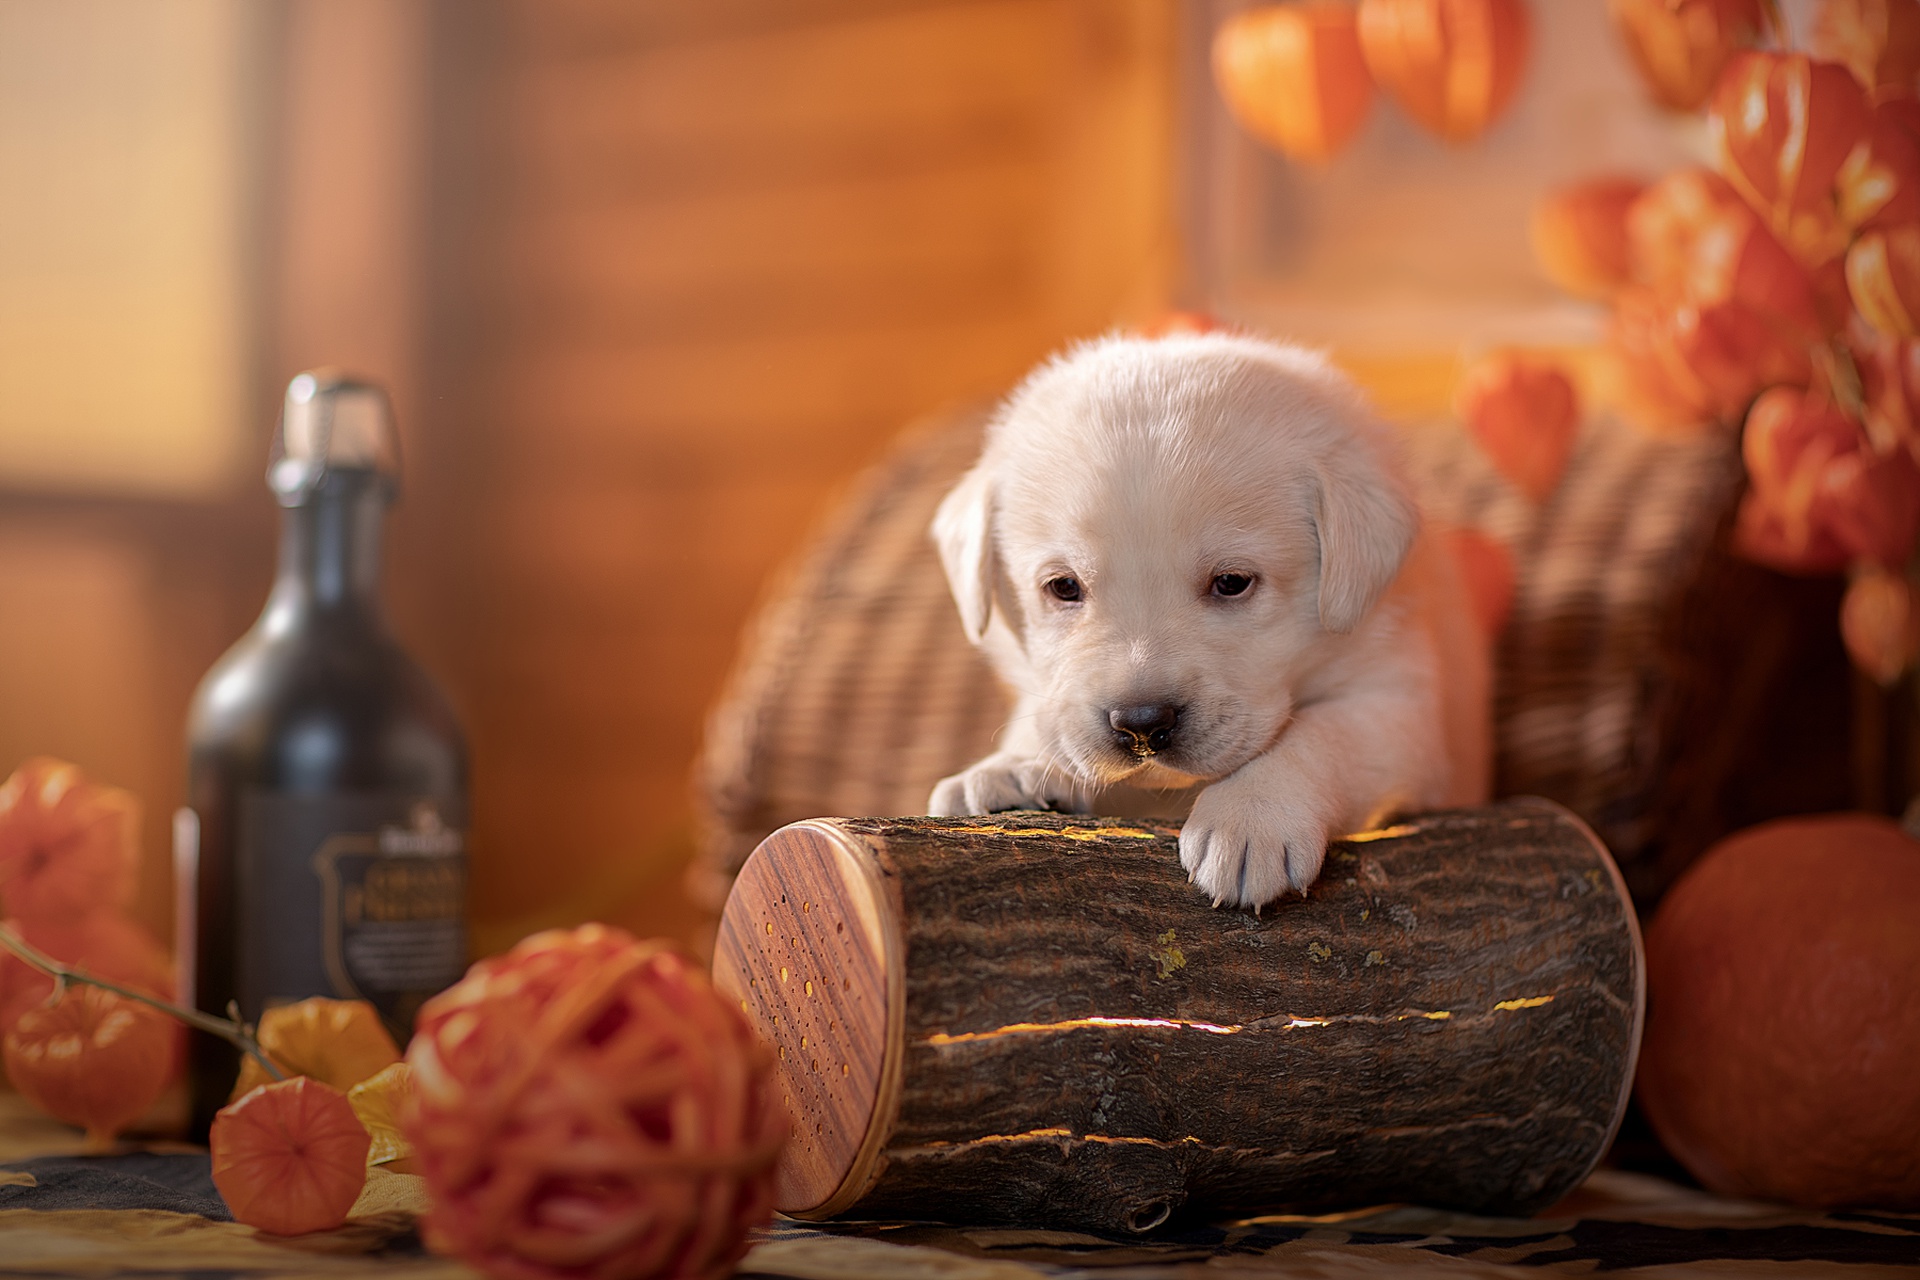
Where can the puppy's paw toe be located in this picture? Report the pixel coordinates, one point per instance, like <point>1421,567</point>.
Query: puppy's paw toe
<point>995,785</point>
<point>949,799</point>
<point>1248,854</point>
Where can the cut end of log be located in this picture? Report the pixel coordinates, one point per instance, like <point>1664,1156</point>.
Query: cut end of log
<point>809,949</point>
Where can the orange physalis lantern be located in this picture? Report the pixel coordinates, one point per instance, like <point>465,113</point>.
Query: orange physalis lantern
<point>1878,40</point>
<point>1880,621</point>
<point>107,945</point>
<point>1580,235</point>
<point>1718,309</point>
<point>1453,65</point>
<point>1486,570</point>
<point>1784,125</point>
<point>69,846</point>
<point>1883,277</point>
<point>1692,239</point>
<point>337,1042</point>
<point>1889,371</point>
<point>1681,45</point>
<point>1293,76</point>
<point>92,1059</point>
<point>289,1157</point>
<point>1820,495</point>
<point>1523,411</point>
<point>1879,183</point>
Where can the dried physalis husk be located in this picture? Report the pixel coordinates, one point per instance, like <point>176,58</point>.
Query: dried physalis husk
<point>377,1100</point>
<point>337,1042</point>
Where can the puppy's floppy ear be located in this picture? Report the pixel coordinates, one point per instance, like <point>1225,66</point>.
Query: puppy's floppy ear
<point>963,530</point>
<point>1366,526</point>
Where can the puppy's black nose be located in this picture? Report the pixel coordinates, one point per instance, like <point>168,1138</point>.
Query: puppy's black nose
<point>1144,729</point>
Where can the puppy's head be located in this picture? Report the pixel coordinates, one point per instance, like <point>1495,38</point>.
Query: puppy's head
<point>1162,538</point>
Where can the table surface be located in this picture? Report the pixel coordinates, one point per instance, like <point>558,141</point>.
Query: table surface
<point>1618,1222</point>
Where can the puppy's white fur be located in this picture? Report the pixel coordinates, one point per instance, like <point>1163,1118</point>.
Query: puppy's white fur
<point>1349,681</point>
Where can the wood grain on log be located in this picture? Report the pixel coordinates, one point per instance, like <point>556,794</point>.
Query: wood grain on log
<point>1034,1018</point>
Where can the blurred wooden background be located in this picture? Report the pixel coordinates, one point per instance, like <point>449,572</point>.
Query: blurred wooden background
<point>650,281</point>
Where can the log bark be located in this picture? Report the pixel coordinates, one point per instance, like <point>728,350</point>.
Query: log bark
<point>1033,1018</point>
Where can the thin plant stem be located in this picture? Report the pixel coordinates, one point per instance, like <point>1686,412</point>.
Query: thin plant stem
<point>235,1032</point>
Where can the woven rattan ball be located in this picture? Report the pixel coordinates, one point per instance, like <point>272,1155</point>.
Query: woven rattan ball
<point>587,1106</point>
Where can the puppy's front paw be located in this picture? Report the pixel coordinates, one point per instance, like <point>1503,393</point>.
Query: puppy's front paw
<point>1244,847</point>
<point>998,783</point>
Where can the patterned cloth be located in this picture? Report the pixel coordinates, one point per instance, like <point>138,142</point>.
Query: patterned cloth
<point>1618,1223</point>
<point>131,1214</point>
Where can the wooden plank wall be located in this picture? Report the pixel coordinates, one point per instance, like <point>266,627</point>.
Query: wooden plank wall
<point>691,266</point>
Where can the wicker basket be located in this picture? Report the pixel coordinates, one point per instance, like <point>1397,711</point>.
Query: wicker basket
<point>857,691</point>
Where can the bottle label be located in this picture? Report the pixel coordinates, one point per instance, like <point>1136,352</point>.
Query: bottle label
<point>360,896</point>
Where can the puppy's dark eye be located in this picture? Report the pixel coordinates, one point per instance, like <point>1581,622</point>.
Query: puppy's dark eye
<point>1231,584</point>
<point>1064,587</point>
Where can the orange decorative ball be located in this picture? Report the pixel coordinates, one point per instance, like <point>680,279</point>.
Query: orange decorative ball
<point>92,1059</point>
<point>290,1157</point>
<point>1783,1016</point>
<point>587,1105</point>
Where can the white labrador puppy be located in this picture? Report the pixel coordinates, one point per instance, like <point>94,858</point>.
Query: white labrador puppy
<point>1195,562</point>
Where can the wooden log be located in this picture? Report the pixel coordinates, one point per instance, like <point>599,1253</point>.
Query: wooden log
<point>1033,1018</point>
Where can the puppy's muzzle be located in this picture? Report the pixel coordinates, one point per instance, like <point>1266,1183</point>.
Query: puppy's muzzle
<point>1146,729</point>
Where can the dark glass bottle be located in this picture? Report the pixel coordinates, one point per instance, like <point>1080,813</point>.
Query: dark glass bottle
<point>322,851</point>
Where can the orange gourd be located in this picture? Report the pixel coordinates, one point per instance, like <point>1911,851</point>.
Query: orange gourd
<point>1680,46</point>
<point>1292,75</point>
<point>1579,235</point>
<point>1524,413</point>
<point>1783,984</point>
<point>92,1059</point>
<point>290,1157</point>
<point>1452,65</point>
